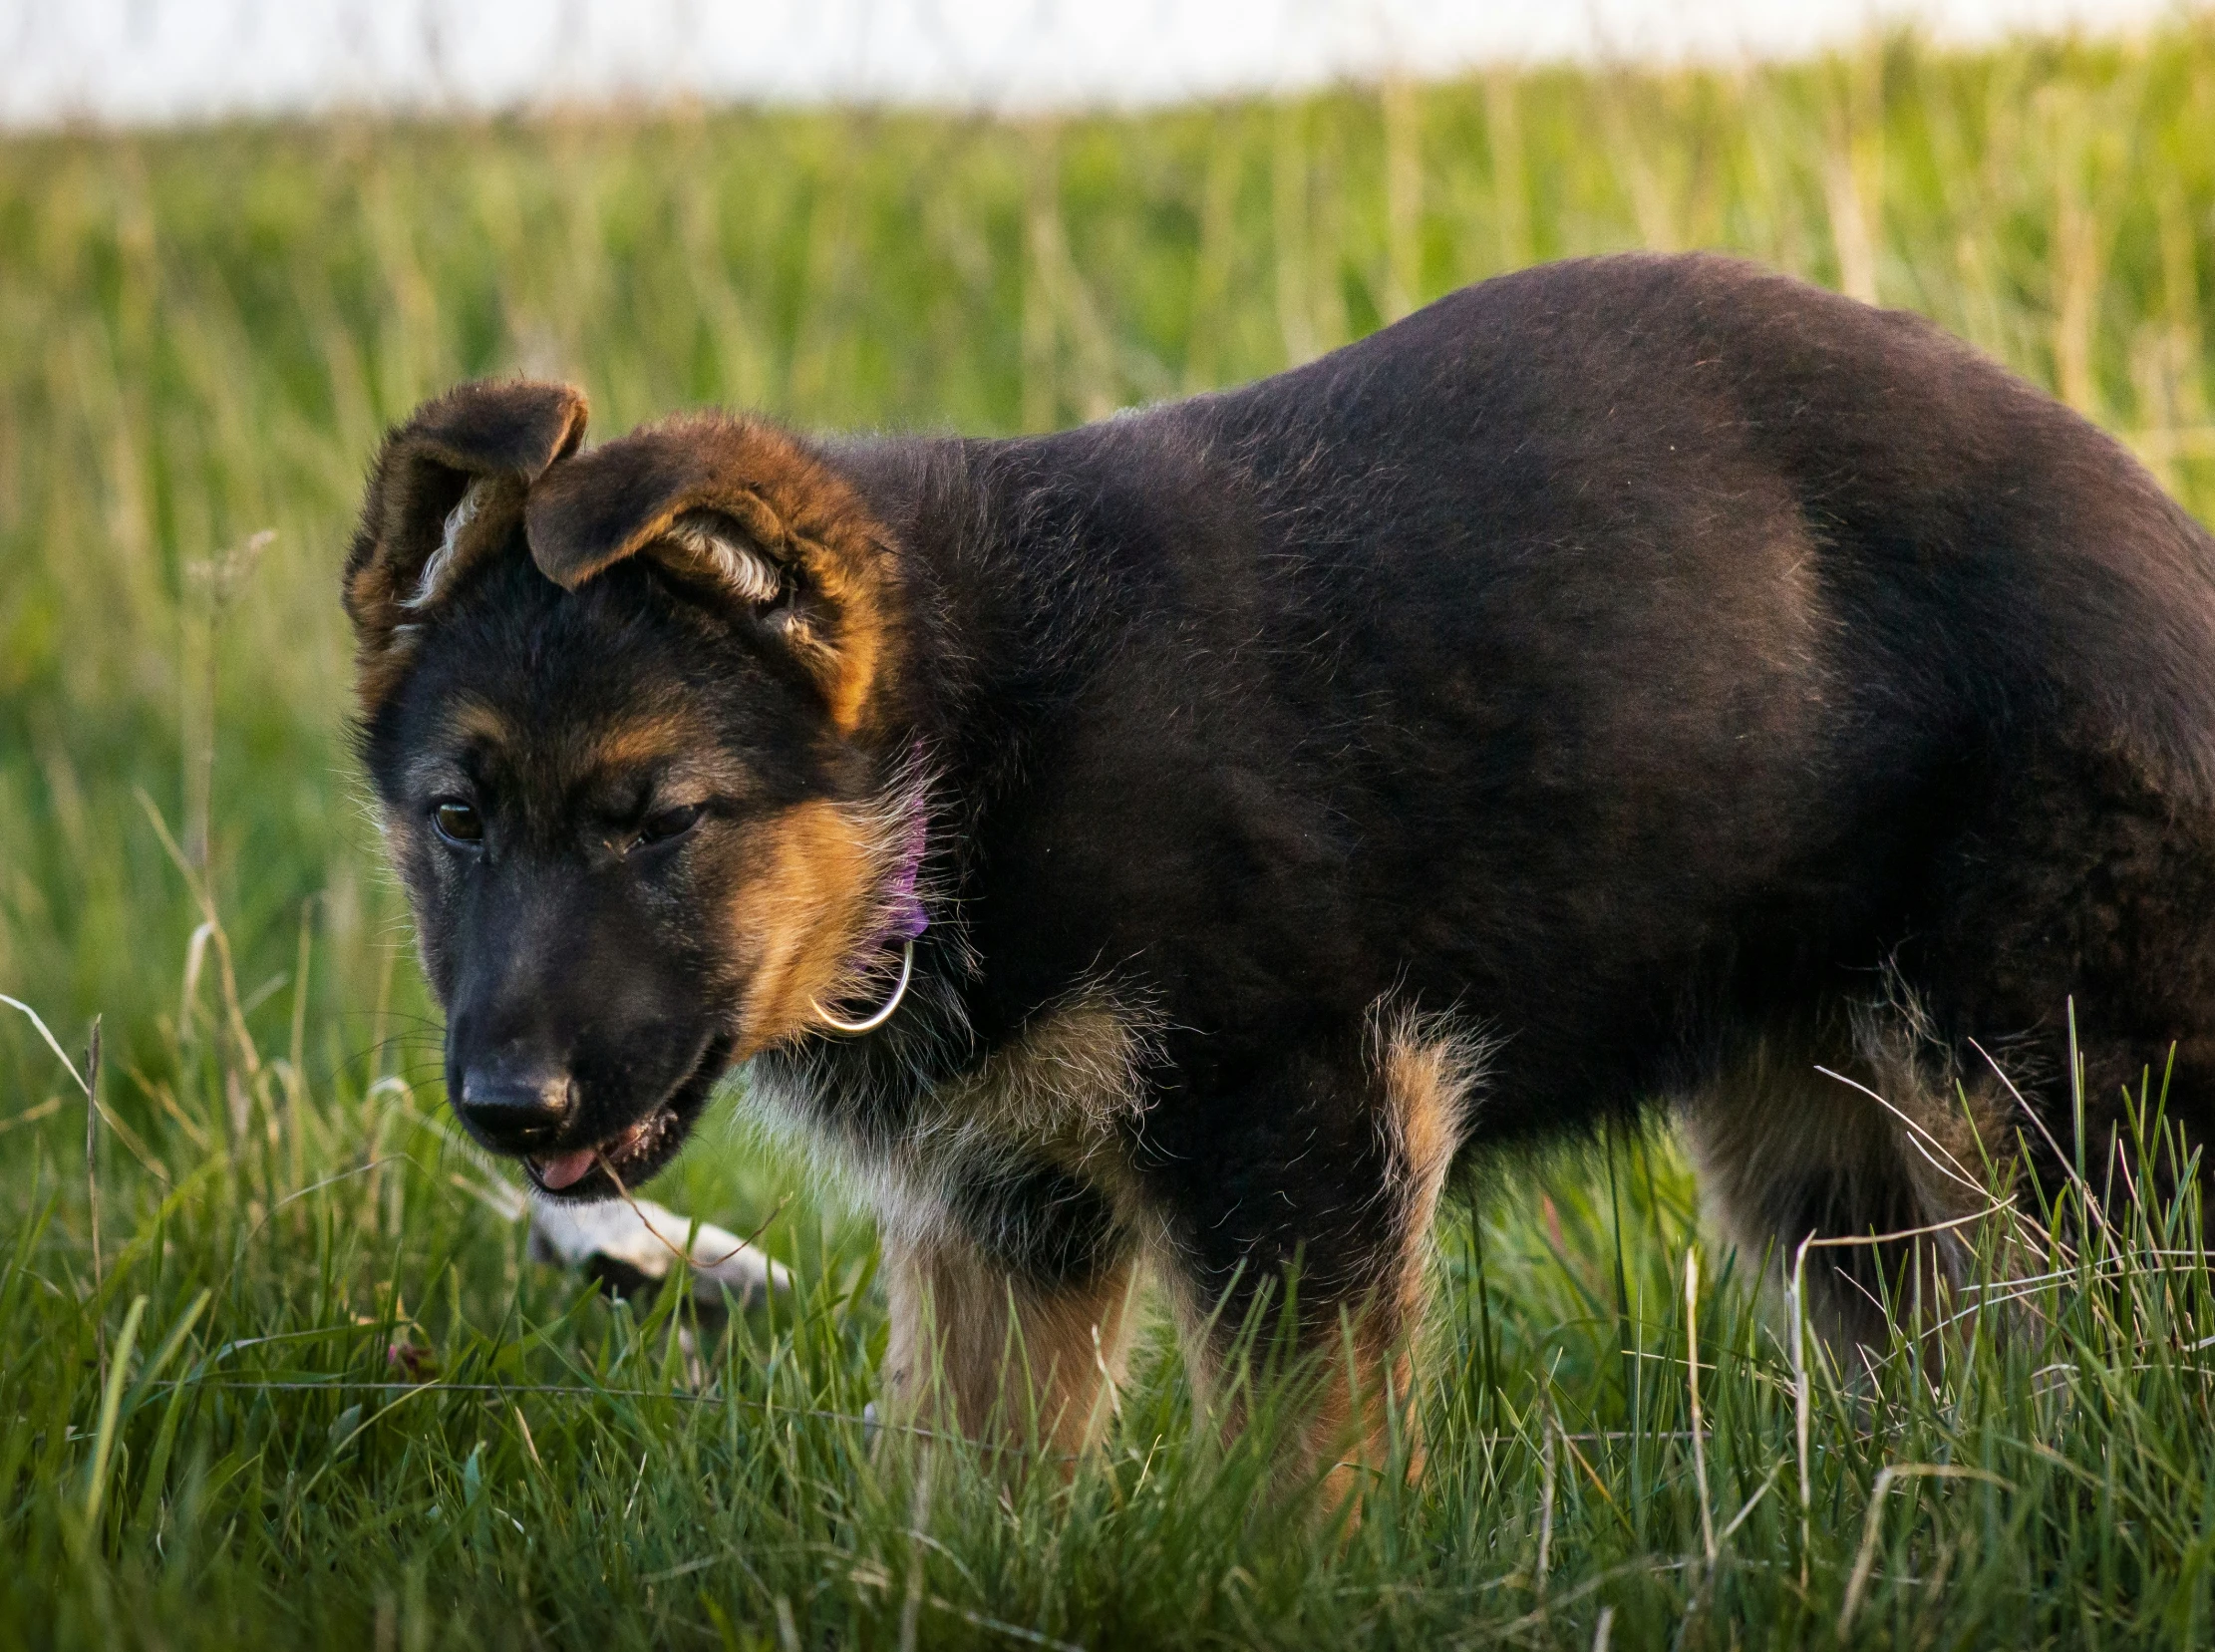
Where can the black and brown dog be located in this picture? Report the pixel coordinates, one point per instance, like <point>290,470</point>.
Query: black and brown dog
<point>1183,839</point>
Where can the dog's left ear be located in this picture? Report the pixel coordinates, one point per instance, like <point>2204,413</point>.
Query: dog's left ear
<point>743,516</point>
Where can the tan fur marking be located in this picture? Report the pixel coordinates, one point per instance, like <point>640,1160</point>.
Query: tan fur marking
<point>1350,1427</point>
<point>642,743</point>
<point>474,723</point>
<point>1429,1075</point>
<point>1362,1388</point>
<point>975,1352</point>
<point>804,917</point>
<point>1060,1093</point>
<point>1430,1078</point>
<point>380,666</point>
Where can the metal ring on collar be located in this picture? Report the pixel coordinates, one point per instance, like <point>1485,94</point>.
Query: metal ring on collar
<point>907,970</point>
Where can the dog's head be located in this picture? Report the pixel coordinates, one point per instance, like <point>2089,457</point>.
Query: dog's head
<point>623,711</point>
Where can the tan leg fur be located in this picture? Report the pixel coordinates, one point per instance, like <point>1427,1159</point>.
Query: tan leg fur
<point>978,1352</point>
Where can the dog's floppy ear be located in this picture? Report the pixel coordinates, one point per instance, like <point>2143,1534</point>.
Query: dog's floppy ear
<point>745,516</point>
<point>447,484</point>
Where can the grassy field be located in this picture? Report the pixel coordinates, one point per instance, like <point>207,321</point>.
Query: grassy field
<point>274,1369</point>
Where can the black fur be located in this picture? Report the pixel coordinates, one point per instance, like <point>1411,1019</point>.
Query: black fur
<point>1624,657</point>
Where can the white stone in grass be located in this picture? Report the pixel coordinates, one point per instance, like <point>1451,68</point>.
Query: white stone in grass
<point>630,1237</point>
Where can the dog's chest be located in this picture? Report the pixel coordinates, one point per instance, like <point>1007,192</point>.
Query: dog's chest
<point>1065,1093</point>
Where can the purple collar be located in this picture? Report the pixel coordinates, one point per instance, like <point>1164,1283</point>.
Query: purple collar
<point>907,919</point>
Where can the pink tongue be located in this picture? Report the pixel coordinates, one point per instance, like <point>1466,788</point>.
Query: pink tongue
<point>562,1172</point>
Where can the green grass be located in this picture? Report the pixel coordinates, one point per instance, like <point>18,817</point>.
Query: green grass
<point>201,336</point>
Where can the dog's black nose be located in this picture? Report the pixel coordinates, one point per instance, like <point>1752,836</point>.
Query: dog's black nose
<point>516,1109</point>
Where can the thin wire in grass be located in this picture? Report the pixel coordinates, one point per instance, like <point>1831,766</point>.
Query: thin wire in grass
<point>1506,1633</point>
<point>341,1383</point>
<point>586,1391</point>
<point>1568,1444</point>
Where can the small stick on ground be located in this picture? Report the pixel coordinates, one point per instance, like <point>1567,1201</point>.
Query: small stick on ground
<point>1545,1504</point>
<point>92,1184</point>
<point>1801,1407</point>
<point>685,1257</point>
<point>1692,1375</point>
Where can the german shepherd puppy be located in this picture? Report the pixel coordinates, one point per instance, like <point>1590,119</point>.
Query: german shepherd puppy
<point>1184,840</point>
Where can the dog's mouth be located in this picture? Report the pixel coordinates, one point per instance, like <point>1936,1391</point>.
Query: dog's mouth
<point>639,1150</point>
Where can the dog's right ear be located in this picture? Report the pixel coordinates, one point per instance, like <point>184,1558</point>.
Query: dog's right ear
<point>446,484</point>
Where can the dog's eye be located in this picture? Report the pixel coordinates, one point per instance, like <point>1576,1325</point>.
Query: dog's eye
<point>670,822</point>
<point>457,822</point>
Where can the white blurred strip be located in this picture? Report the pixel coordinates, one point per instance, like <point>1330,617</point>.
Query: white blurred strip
<point>645,1238</point>
<point>163,61</point>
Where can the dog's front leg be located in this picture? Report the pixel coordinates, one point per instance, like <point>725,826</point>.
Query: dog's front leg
<point>1299,1211</point>
<point>1025,1356</point>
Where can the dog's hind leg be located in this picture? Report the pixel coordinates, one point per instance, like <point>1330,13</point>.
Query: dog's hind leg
<point>1853,1133</point>
<point>2078,924</point>
<point>1010,1311</point>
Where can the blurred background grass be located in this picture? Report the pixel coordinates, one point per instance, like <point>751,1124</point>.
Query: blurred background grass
<point>202,335</point>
